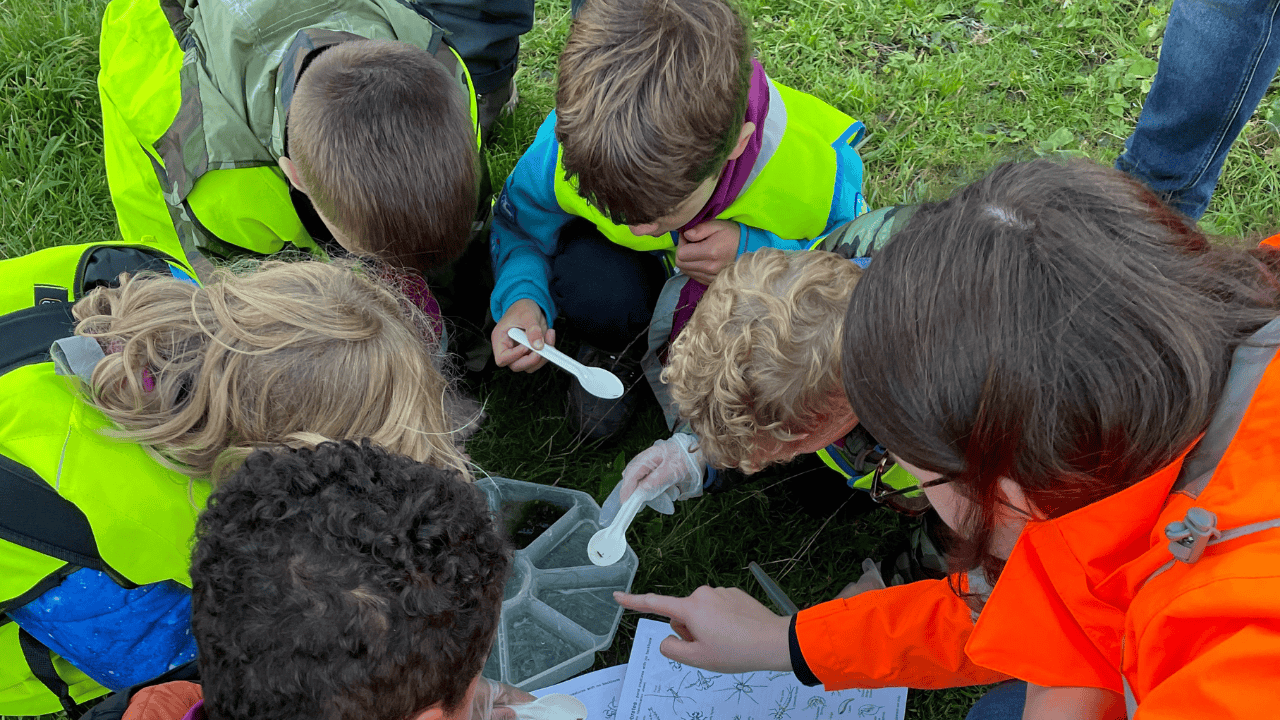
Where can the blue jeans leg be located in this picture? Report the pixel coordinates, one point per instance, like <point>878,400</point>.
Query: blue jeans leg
<point>1217,59</point>
<point>1002,702</point>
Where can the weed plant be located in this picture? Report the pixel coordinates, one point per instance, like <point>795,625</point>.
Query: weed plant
<point>947,89</point>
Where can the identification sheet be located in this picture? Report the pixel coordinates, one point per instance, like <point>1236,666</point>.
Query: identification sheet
<point>656,688</point>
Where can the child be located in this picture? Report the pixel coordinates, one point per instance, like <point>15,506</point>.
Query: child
<point>1087,389</point>
<point>669,148</point>
<point>754,375</point>
<point>175,384</point>
<point>260,125</point>
<point>342,582</point>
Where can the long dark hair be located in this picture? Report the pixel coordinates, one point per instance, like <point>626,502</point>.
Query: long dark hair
<point>1053,323</point>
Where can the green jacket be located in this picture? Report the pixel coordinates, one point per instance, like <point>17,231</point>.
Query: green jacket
<point>194,99</point>
<point>74,497</point>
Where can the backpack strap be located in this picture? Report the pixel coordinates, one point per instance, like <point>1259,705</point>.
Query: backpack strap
<point>40,660</point>
<point>29,332</point>
<point>35,516</point>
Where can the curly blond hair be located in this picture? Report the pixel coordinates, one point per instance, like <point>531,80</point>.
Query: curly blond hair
<point>761,355</point>
<point>292,354</point>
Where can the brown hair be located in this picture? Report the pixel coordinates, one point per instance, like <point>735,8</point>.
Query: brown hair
<point>651,100</point>
<point>343,583</point>
<point>293,354</point>
<point>382,136</point>
<point>1052,323</point>
<point>761,354</point>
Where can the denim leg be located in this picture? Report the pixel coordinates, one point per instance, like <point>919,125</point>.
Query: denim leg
<point>1002,702</point>
<point>1217,59</point>
<point>486,33</point>
<point>606,293</point>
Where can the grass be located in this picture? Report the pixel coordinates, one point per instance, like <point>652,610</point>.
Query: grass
<point>947,89</point>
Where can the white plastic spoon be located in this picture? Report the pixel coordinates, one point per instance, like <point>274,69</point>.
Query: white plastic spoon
<point>609,544</point>
<point>597,381</point>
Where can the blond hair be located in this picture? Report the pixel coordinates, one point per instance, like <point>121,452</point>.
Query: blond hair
<point>761,354</point>
<point>293,354</point>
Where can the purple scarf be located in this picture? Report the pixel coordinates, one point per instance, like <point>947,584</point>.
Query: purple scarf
<point>732,179</point>
<point>734,176</point>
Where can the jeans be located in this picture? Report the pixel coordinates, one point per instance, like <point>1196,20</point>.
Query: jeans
<point>486,33</point>
<point>1002,702</point>
<point>606,293</point>
<point>1217,59</point>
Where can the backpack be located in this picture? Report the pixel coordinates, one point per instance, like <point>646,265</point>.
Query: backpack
<point>36,297</point>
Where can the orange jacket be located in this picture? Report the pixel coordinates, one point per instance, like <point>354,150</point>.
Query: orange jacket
<point>1081,601</point>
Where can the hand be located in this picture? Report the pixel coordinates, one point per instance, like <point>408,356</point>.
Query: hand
<point>671,468</point>
<point>493,700</point>
<point>526,315</point>
<point>1072,703</point>
<point>720,629</point>
<point>706,248</point>
<point>870,580</point>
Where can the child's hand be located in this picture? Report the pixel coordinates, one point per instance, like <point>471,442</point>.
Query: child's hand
<point>493,700</point>
<point>720,629</point>
<point>526,315</point>
<point>706,248</point>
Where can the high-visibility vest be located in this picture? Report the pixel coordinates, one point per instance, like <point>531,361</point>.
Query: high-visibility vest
<point>192,118</point>
<point>70,496</point>
<point>790,198</point>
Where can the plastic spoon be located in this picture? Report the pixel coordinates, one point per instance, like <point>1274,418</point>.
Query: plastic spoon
<point>597,381</point>
<point>608,545</point>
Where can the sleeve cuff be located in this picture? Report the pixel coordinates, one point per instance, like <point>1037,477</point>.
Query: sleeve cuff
<point>798,664</point>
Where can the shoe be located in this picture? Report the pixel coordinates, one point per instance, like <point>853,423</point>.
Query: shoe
<point>493,105</point>
<point>597,418</point>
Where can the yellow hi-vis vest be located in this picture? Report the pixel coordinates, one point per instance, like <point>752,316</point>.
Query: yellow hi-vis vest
<point>112,506</point>
<point>790,198</point>
<point>191,110</point>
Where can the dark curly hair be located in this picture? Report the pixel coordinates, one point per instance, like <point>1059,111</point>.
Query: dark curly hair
<point>343,582</point>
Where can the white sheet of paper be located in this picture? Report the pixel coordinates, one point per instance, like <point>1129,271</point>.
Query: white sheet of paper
<point>656,688</point>
<point>597,690</point>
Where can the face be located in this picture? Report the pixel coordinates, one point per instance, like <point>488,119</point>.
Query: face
<point>831,427</point>
<point>682,214</point>
<point>954,508</point>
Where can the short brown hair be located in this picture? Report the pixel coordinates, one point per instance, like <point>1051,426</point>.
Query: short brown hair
<point>761,354</point>
<point>382,136</point>
<point>1054,324</point>
<point>651,100</point>
<point>343,583</point>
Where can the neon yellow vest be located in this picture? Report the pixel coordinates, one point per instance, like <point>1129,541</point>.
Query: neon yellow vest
<point>790,198</point>
<point>192,160</point>
<point>142,515</point>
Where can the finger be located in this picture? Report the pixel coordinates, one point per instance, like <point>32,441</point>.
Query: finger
<point>682,630</point>
<point>534,332</point>
<point>530,362</point>
<point>671,607</point>
<point>680,650</point>
<point>503,713</point>
<point>505,354</point>
<point>550,337</point>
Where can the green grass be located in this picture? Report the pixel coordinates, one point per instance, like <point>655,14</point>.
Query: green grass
<point>947,89</point>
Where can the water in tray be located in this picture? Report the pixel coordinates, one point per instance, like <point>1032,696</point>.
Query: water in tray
<point>594,609</point>
<point>533,648</point>
<point>571,552</point>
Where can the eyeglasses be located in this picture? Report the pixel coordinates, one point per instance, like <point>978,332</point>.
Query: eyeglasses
<point>896,498</point>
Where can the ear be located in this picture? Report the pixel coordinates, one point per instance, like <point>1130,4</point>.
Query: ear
<point>1018,500</point>
<point>291,172</point>
<point>743,137</point>
<point>432,713</point>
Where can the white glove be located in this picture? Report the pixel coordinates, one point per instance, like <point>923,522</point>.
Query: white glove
<point>672,468</point>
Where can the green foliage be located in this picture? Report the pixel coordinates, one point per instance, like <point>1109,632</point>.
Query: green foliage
<point>946,88</point>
